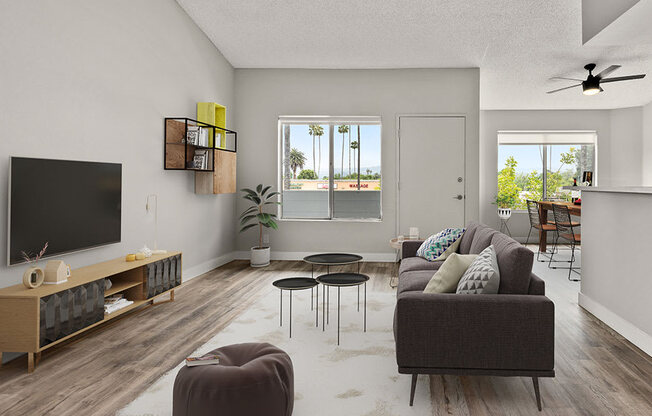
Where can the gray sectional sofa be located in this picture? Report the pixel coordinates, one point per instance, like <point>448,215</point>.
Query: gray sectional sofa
<point>511,333</point>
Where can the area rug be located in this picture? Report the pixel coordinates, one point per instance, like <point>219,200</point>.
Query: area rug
<point>358,377</point>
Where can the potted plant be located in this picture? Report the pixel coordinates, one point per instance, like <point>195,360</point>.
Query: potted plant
<point>254,216</point>
<point>505,203</point>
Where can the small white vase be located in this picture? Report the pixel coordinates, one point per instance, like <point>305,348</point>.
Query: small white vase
<point>260,256</point>
<point>504,213</point>
<point>33,277</point>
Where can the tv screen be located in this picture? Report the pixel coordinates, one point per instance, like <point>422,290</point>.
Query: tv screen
<point>71,205</point>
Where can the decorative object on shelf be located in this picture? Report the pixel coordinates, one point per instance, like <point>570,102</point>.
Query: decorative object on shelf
<point>140,256</point>
<point>587,178</point>
<point>146,251</point>
<point>33,277</point>
<point>414,233</point>
<point>192,135</point>
<point>130,257</point>
<point>107,284</point>
<point>56,272</point>
<point>254,216</point>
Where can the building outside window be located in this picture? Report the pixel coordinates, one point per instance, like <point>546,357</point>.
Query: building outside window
<point>537,165</point>
<point>330,168</point>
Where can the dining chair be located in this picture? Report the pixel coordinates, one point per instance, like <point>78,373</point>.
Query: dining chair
<point>536,223</point>
<point>566,229</point>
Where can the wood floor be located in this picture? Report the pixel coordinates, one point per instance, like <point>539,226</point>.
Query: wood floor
<point>598,372</point>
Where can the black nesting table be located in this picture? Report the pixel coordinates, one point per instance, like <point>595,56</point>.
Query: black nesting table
<point>297,283</point>
<point>341,280</point>
<point>328,260</point>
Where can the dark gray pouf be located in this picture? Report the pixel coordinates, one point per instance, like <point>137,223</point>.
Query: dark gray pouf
<point>251,380</point>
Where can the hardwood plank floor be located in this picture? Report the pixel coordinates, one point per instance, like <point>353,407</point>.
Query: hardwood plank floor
<point>598,372</point>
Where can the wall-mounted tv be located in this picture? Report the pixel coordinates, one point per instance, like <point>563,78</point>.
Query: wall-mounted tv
<point>71,205</point>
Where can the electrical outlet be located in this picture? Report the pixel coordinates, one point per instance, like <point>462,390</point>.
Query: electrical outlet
<point>265,238</point>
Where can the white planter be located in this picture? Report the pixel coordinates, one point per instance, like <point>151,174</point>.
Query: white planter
<point>259,256</point>
<point>504,213</point>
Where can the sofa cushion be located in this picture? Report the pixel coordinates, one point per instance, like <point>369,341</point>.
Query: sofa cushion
<point>515,263</point>
<point>417,263</point>
<point>481,239</point>
<point>445,279</point>
<point>467,238</point>
<point>482,276</point>
<point>413,281</point>
<point>436,247</point>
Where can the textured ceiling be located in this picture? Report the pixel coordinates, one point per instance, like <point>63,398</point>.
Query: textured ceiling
<point>518,45</point>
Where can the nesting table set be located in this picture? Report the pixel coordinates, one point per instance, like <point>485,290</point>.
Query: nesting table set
<point>338,280</point>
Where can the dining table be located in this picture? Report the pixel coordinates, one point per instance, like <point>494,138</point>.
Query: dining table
<point>544,207</point>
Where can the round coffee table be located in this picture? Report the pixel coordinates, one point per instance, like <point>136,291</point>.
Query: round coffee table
<point>328,260</point>
<point>341,280</point>
<point>296,283</point>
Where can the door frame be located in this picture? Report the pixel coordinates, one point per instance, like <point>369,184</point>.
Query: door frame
<point>398,158</point>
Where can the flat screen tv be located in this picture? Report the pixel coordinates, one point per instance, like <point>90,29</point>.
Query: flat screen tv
<point>71,205</point>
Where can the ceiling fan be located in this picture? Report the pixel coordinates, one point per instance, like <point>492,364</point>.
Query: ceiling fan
<point>591,85</point>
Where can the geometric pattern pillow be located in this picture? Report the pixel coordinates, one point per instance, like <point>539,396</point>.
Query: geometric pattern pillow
<point>437,244</point>
<point>482,276</point>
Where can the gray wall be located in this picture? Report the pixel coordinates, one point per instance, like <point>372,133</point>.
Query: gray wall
<point>93,80</point>
<point>620,149</point>
<point>265,94</point>
<point>647,145</point>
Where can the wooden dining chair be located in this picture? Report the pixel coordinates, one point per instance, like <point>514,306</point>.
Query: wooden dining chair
<point>566,229</point>
<point>536,223</point>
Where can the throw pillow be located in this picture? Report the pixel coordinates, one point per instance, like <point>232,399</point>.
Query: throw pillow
<point>449,274</point>
<point>436,245</point>
<point>482,276</point>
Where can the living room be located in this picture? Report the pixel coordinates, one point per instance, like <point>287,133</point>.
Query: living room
<point>269,175</point>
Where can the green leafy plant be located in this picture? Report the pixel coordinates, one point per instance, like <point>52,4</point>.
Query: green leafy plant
<point>254,215</point>
<point>508,191</point>
<point>307,174</point>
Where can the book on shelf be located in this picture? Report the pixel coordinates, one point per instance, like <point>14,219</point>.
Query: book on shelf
<point>112,304</point>
<point>192,135</point>
<point>201,159</point>
<point>203,137</point>
<point>205,360</point>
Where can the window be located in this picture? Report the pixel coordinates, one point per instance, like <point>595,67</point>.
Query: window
<point>537,165</point>
<point>330,168</point>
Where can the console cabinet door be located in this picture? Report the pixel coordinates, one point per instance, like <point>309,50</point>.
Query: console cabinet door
<point>70,310</point>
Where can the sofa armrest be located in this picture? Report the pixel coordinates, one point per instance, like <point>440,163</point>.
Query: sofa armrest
<point>409,248</point>
<point>499,332</point>
<point>537,286</point>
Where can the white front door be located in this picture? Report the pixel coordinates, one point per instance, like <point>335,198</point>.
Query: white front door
<point>431,173</point>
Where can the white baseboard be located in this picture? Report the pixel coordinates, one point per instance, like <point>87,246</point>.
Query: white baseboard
<point>299,255</point>
<point>207,266</point>
<point>632,333</point>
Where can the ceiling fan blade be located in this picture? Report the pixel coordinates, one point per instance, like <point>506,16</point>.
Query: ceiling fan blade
<point>565,88</point>
<point>625,78</point>
<point>567,79</point>
<point>607,71</point>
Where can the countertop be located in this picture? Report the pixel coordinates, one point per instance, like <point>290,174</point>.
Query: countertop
<point>613,189</point>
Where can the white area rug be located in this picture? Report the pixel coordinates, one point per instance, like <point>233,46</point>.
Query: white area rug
<point>358,377</point>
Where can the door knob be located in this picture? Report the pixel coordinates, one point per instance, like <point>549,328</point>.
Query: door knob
<point>459,197</point>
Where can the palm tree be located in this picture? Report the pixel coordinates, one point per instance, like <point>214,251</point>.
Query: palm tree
<point>354,145</point>
<point>286,156</point>
<point>342,130</point>
<point>349,152</point>
<point>297,160</point>
<point>315,130</point>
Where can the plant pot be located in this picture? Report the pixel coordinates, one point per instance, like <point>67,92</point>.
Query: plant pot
<point>33,277</point>
<point>504,213</point>
<point>260,256</point>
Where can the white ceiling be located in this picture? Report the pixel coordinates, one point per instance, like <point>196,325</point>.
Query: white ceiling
<point>518,45</point>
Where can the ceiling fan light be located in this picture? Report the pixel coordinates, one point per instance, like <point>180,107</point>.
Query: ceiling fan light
<point>591,91</point>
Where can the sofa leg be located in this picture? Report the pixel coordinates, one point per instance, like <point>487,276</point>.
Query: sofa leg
<point>535,381</point>
<point>414,387</point>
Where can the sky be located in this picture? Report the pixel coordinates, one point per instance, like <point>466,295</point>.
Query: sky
<point>529,157</point>
<point>369,155</point>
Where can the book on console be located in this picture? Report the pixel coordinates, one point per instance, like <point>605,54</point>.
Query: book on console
<point>206,360</point>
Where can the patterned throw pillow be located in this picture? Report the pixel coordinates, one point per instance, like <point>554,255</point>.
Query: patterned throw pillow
<point>437,245</point>
<point>482,276</point>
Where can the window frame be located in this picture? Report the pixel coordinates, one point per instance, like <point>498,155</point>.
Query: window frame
<point>332,122</point>
<point>547,138</point>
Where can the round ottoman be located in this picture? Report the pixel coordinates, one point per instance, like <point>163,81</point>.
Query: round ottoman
<point>251,380</point>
